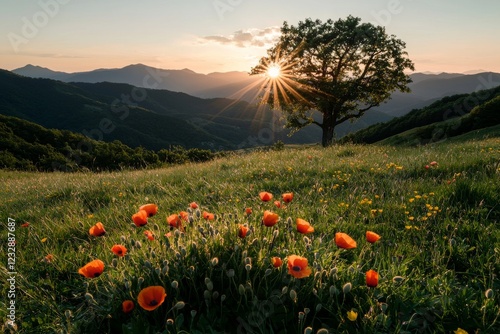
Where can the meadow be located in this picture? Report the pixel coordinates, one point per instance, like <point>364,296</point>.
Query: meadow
<point>437,262</point>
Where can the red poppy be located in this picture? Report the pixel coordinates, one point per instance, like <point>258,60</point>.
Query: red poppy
<point>92,269</point>
<point>127,306</point>
<point>287,197</point>
<point>184,215</point>
<point>193,205</point>
<point>48,258</point>
<point>304,227</point>
<point>119,250</point>
<point>276,261</point>
<point>149,234</point>
<point>371,278</point>
<point>97,230</point>
<point>344,241</point>
<point>270,218</point>
<point>297,266</point>
<point>173,220</point>
<point>25,224</point>
<point>140,218</point>
<point>151,297</point>
<point>277,204</point>
<point>248,211</point>
<point>242,231</point>
<point>151,209</point>
<point>372,237</point>
<point>208,215</point>
<point>168,235</point>
<point>265,196</point>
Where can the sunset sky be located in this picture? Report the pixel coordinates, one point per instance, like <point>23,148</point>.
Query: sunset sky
<point>231,35</point>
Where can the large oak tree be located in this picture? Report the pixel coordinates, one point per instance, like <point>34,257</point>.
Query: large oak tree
<point>341,69</point>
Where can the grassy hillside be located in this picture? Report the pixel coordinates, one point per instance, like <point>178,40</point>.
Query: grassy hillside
<point>446,109</point>
<point>438,260</point>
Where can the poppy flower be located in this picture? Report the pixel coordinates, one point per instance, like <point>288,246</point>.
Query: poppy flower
<point>119,250</point>
<point>270,218</point>
<point>184,215</point>
<point>168,235</point>
<point>151,209</point>
<point>149,234</point>
<point>248,211</point>
<point>287,197</point>
<point>173,220</point>
<point>277,204</point>
<point>92,269</point>
<point>151,297</point>
<point>208,215</point>
<point>371,278</point>
<point>97,230</point>
<point>25,224</point>
<point>304,227</point>
<point>372,237</point>
<point>297,266</point>
<point>265,196</point>
<point>242,231</point>
<point>48,258</point>
<point>344,241</point>
<point>276,261</point>
<point>193,205</point>
<point>433,163</point>
<point>127,306</point>
<point>140,218</point>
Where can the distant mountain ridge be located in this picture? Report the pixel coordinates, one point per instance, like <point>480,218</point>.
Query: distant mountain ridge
<point>425,88</point>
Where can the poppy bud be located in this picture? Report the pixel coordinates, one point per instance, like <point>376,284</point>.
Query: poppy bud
<point>308,330</point>
<point>241,289</point>
<point>268,272</point>
<point>230,273</point>
<point>222,298</point>
<point>170,322</point>
<point>293,295</point>
<point>347,288</point>
<point>319,307</point>
<point>215,295</point>
<point>248,267</point>
<point>301,315</point>
<point>333,290</point>
<point>489,293</point>
<point>179,305</point>
<point>207,294</point>
<point>210,286</point>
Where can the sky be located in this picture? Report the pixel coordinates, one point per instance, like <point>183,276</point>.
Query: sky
<point>460,36</point>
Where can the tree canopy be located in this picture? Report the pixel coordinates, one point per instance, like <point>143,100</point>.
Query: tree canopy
<point>341,69</point>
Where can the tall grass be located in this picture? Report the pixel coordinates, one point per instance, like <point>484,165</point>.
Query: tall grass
<point>437,258</point>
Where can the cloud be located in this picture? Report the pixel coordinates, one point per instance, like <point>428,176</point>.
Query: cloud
<point>244,38</point>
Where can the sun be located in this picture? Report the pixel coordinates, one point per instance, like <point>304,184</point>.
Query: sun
<point>274,71</point>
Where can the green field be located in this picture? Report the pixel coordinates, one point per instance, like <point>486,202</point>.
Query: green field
<point>438,258</point>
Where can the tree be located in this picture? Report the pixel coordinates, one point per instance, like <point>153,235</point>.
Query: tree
<point>341,69</point>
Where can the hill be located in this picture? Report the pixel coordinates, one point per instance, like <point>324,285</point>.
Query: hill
<point>443,110</point>
<point>218,269</point>
<point>425,88</point>
<point>28,146</point>
<point>152,118</point>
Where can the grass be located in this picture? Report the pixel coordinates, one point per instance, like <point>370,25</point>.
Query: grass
<point>438,256</point>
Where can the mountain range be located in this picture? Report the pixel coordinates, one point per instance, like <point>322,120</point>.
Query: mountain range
<point>425,88</point>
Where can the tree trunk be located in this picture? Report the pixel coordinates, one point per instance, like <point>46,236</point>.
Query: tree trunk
<point>328,129</point>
